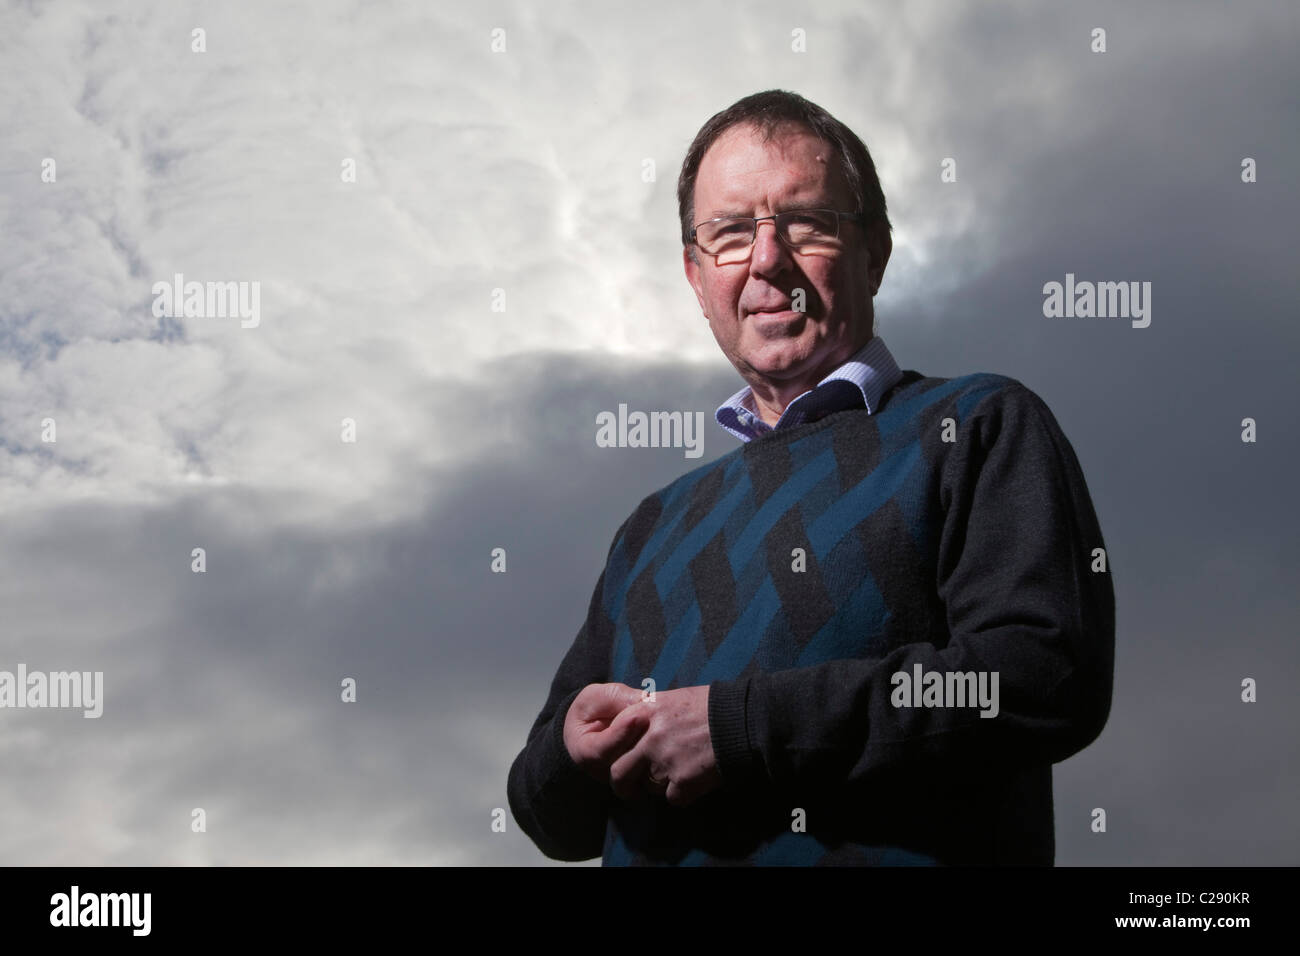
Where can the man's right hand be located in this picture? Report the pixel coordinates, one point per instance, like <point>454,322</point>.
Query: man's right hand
<point>603,724</point>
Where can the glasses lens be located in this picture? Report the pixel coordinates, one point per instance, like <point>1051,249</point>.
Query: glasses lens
<point>731,240</point>
<point>735,253</point>
<point>809,227</point>
<point>728,239</point>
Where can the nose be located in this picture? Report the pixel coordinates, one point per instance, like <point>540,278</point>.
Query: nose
<point>769,256</point>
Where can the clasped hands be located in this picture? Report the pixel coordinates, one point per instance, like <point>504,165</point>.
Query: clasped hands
<point>619,735</point>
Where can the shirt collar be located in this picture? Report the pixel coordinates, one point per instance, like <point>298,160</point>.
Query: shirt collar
<point>866,375</point>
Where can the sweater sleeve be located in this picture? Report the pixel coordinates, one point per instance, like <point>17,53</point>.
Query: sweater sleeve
<point>560,807</point>
<point>1014,573</point>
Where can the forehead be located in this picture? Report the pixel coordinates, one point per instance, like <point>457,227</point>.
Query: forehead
<point>742,171</point>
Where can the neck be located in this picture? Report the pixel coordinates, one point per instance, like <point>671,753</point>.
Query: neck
<point>772,398</point>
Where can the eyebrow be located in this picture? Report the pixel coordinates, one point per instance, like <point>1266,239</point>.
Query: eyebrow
<point>788,207</point>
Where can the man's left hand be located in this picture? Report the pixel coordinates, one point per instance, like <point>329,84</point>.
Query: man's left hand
<point>675,753</point>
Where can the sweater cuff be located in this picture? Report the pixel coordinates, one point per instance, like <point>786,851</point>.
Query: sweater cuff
<point>738,761</point>
<point>561,781</point>
<point>558,756</point>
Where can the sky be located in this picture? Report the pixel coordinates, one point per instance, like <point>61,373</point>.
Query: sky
<point>504,265</point>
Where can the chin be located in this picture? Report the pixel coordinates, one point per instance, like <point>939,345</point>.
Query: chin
<point>765,362</point>
<point>785,351</point>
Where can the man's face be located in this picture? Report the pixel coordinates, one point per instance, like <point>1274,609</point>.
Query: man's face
<point>749,304</point>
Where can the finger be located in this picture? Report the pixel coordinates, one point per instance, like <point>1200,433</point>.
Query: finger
<point>679,795</point>
<point>627,772</point>
<point>608,701</point>
<point>620,736</point>
<point>693,788</point>
<point>634,715</point>
<point>622,696</point>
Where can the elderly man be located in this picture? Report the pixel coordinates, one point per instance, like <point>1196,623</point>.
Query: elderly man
<point>873,627</point>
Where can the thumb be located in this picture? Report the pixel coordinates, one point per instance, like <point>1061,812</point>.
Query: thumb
<point>599,703</point>
<point>622,735</point>
<point>619,696</point>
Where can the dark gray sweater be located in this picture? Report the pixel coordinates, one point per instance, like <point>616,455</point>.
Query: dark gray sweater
<point>948,537</point>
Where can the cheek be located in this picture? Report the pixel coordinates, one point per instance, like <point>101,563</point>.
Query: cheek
<point>846,282</point>
<point>826,280</point>
<point>724,293</point>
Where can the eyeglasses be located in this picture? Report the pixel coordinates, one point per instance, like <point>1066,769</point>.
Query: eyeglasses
<point>731,239</point>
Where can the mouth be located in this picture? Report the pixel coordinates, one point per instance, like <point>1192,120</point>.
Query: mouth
<point>781,324</point>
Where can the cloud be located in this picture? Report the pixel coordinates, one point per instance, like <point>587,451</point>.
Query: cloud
<point>522,171</point>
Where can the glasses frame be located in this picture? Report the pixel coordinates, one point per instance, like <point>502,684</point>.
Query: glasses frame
<point>859,218</point>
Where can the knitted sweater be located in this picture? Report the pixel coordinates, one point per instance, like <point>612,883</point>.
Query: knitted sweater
<point>798,577</point>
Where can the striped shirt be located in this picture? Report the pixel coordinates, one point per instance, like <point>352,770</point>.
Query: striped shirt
<point>859,382</point>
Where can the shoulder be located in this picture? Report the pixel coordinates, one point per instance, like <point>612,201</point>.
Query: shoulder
<point>965,397</point>
<point>922,399</point>
<point>973,387</point>
<point>966,416</point>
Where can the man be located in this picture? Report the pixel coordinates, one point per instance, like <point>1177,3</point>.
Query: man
<point>873,627</point>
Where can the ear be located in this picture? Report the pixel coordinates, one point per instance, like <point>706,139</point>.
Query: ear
<point>694,278</point>
<point>880,244</point>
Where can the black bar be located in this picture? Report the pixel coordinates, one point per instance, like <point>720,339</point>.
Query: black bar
<point>536,904</point>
